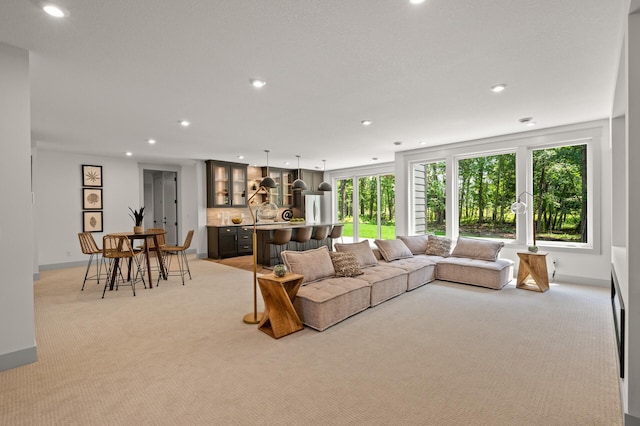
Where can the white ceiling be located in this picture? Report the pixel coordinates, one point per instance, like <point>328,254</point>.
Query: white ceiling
<point>115,73</point>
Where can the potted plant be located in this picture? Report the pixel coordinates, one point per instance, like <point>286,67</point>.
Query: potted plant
<point>137,216</point>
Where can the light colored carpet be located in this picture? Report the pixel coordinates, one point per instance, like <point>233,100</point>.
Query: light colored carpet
<point>444,354</point>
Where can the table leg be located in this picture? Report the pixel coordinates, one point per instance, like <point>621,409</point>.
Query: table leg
<point>114,272</point>
<point>146,252</point>
<point>163,272</point>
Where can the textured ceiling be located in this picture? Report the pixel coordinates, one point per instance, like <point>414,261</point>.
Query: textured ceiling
<point>115,73</point>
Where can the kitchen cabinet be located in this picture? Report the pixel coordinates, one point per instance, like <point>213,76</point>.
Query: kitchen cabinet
<point>226,184</point>
<point>313,178</point>
<point>229,241</point>
<point>282,194</point>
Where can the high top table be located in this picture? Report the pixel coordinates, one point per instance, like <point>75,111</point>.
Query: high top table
<point>146,236</point>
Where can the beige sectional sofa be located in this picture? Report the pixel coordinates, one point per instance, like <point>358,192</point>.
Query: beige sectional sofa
<point>340,284</point>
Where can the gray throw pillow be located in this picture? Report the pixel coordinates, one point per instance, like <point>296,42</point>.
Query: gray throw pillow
<point>416,243</point>
<point>312,264</point>
<point>438,246</point>
<point>474,248</point>
<point>393,249</point>
<point>346,264</point>
<point>362,250</point>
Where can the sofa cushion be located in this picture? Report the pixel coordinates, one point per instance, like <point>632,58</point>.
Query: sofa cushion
<point>438,246</point>
<point>312,264</point>
<point>474,248</point>
<point>386,282</point>
<point>345,264</point>
<point>420,269</point>
<point>478,272</point>
<point>416,243</point>
<point>362,250</point>
<point>393,249</point>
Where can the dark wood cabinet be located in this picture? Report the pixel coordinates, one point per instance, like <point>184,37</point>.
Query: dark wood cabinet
<point>229,241</point>
<point>226,184</point>
<point>312,178</point>
<point>282,194</point>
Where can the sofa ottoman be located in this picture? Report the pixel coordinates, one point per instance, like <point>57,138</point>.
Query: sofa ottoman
<point>484,273</point>
<point>385,281</point>
<point>420,270</point>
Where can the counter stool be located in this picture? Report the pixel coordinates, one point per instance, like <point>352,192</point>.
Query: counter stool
<point>336,232</point>
<point>302,237</point>
<point>281,237</point>
<point>322,232</point>
<point>89,246</point>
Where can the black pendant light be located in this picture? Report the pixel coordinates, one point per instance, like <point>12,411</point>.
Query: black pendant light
<point>299,183</point>
<point>268,182</point>
<point>324,186</point>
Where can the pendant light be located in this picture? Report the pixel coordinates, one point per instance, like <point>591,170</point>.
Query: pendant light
<point>268,182</point>
<point>299,183</point>
<point>324,186</point>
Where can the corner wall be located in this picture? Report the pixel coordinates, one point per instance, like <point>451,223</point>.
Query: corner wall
<point>17,326</point>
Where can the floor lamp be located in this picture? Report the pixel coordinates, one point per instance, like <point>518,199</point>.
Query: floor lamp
<point>520,207</point>
<point>254,317</point>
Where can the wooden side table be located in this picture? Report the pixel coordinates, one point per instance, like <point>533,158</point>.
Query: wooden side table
<point>280,317</point>
<point>534,265</point>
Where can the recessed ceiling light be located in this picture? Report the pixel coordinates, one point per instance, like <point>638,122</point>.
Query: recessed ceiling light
<point>258,84</point>
<point>416,1</point>
<point>396,143</point>
<point>366,122</point>
<point>286,162</point>
<point>128,153</point>
<point>55,11</point>
<point>241,157</point>
<point>528,121</point>
<point>422,143</point>
<point>498,88</point>
<point>151,141</point>
<point>184,123</point>
<point>374,158</point>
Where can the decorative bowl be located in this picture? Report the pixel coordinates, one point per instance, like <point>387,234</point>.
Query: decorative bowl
<point>236,220</point>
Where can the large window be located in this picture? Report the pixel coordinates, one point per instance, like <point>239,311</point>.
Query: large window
<point>368,210</point>
<point>551,179</point>
<point>560,193</point>
<point>486,190</point>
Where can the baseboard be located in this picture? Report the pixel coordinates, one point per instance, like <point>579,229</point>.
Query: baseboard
<point>593,282</point>
<point>18,358</point>
<point>62,265</point>
<point>36,276</point>
<point>630,420</point>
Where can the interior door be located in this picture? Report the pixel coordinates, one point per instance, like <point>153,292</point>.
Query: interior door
<point>170,203</point>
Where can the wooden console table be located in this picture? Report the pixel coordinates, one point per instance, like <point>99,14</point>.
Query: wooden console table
<point>280,317</point>
<point>534,265</point>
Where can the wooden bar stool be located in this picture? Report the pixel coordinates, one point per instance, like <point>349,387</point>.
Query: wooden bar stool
<point>302,237</point>
<point>89,246</point>
<point>336,232</point>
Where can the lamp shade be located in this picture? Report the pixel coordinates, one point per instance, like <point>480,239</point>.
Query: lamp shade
<point>324,186</point>
<point>268,183</point>
<point>299,184</point>
<point>518,207</point>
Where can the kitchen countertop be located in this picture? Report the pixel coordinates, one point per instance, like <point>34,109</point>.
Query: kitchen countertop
<point>274,225</point>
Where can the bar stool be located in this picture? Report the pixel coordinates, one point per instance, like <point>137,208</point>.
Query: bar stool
<point>336,232</point>
<point>322,232</point>
<point>302,237</point>
<point>281,237</point>
<point>89,246</point>
<point>180,252</point>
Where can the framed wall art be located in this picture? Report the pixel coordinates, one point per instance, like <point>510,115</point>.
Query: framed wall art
<point>91,175</point>
<point>91,199</point>
<point>92,221</point>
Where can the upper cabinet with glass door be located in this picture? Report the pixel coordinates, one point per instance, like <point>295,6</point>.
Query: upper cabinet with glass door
<point>282,194</point>
<point>226,184</point>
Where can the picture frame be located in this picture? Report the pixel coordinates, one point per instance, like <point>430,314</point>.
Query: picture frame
<point>91,199</point>
<point>91,175</point>
<point>92,221</point>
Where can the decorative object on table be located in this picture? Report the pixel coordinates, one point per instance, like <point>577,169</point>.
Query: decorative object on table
<point>91,175</point>
<point>299,183</point>
<point>137,216</point>
<point>520,207</point>
<point>237,219</point>
<point>267,210</point>
<point>280,270</point>
<point>91,199</point>
<point>296,220</point>
<point>92,221</point>
<point>266,184</point>
<point>287,215</point>
<point>324,186</point>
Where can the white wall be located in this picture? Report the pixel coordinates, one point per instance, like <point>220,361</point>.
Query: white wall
<point>17,333</point>
<point>59,201</point>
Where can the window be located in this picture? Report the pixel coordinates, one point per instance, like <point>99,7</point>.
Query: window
<point>486,190</point>
<point>559,201</point>
<point>430,200</point>
<point>344,205</point>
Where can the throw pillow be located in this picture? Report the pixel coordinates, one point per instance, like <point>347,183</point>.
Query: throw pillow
<point>393,249</point>
<point>477,249</point>
<point>346,264</point>
<point>438,246</point>
<point>416,243</point>
<point>362,250</point>
<point>312,264</point>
